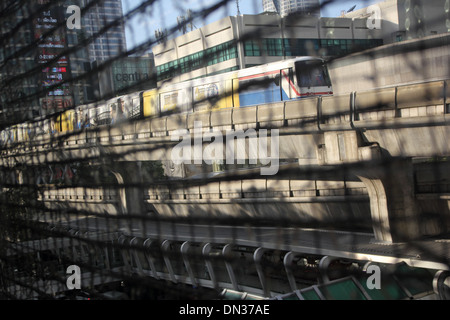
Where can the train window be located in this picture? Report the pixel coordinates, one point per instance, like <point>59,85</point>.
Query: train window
<point>312,74</point>
<point>135,108</point>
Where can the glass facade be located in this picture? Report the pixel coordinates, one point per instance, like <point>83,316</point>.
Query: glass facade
<point>337,47</point>
<point>131,74</point>
<point>303,47</point>
<point>263,47</point>
<point>208,57</point>
<point>112,42</point>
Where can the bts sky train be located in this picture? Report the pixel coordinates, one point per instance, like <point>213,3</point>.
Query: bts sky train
<point>279,81</point>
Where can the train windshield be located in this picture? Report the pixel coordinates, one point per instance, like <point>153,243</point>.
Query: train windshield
<point>312,73</point>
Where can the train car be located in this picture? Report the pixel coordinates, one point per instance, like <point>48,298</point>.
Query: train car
<point>168,98</point>
<point>41,127</point>
<point>89,115</point>
<point>103,115</point>
<point>128,107</point>
<point>65,121</point>
<point>116,109</point>
<point>290,79</point>
<point>17,133</point>
<point>85,115</point>
<point>285,80</point>
<point>4,137</point>
<point>9,135</point>
<point>24,131</point>
<point>209,93</point>
<point>280,81</point>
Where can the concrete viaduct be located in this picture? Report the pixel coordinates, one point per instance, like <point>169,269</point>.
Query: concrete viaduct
<point>376,135</point>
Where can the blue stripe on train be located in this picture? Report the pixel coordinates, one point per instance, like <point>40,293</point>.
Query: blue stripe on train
<point>261,96</point>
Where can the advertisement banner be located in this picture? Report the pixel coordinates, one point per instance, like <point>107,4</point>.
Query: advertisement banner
<point>49,32</point>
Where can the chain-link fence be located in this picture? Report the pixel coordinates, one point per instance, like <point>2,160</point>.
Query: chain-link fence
<point>224,150</point>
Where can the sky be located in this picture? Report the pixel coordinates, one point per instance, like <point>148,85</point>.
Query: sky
<point>163,14</point>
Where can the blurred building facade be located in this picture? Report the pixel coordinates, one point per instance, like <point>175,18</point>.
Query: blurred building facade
<point>126,75</point>
<point>243,41</point>
<point>286,7</point>
<point>407,19</point>
<point>40,58</point>
<point>41,55</point>
<point>100,15</point>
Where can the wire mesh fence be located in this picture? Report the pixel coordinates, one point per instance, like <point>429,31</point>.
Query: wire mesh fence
<point>229,153</point>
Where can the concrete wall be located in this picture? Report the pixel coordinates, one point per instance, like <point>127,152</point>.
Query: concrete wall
<point>408,19</point>
<point>322,202</point>
<point>405,62</point>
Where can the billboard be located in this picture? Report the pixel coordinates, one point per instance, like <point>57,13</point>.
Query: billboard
<point>50,34</point>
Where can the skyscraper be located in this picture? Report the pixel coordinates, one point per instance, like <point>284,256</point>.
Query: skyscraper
<point>39,60</point>
<point>286,7</point>
<point>112,42</point>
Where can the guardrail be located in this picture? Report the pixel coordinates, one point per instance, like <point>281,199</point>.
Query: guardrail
<point>79,194</point>
<point>248,188</point>
<point>256,188</point>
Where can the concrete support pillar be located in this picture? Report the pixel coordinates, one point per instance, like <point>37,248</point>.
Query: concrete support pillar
<point>122,201</point>
<point>323,268</point>
<point>125,253</point>
<point>131,194</point>
<point>394,211</point>
<point>134,252</point>
<point>165,246</point>
<point>287,261</point>
<point>184,252</point>
<point>150,258</point>
<point>441,284</point>
<point>389,181</point>
<point>257,256</point>
<point>227,254</point>
<point>206,250</point>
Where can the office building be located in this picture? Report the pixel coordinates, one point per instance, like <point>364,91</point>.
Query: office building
<point>407,19</point>
<point>112,42</point>
<point>129,74</point>
<point>286,7</point>
<point>216,48</point>
<point>41,39</point>
<point>13,106</point>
